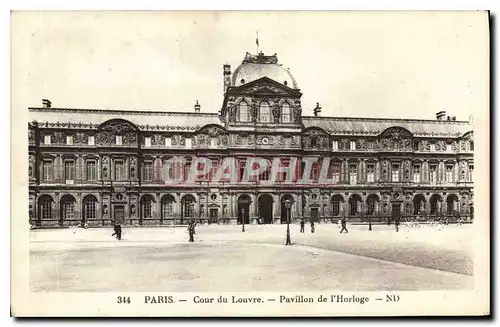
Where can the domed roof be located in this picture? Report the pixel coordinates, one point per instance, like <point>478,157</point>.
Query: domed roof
<point>254,67</point>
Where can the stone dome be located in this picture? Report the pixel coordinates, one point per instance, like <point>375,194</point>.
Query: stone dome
<point>254,67</point>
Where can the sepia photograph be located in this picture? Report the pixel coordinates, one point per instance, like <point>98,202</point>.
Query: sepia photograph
<point>284,161</point>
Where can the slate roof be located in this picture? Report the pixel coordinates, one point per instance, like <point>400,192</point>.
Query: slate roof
<point>375,126</point>
<point>144,120</point>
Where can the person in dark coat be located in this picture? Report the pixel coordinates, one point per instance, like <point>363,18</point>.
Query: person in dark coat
<point>396,223</point>
<point>119,232</point>
<point>115,229</point>
<point>312,226</point>
<point>343,222</point>
<point>191,232</point>
<point>302,225</point>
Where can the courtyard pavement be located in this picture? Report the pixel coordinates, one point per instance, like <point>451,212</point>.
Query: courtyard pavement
<point>225,259</point>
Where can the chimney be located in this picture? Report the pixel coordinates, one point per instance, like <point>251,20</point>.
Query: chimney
<point>197,107</point>
<point>317,110</point>
<point>441,115</point>
<point>46,103</point>
<point>227,76</point>
<point>454,118</point>
<point>449,118</point>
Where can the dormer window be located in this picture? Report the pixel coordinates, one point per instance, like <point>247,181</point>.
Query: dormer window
<point>243,111</point>
<point>285,83</point>
<point>119,140</point>
<point>242,81</point>
<point>264,112</point>
<point>285,113</point>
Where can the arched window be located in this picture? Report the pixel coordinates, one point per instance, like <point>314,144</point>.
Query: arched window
<point>167,206</point>
<point>372,202</point>
<point>147,206</point>
<point>243,111</point>
<point>89,207</point>
<point>418,204</point>
<point>68,207</point>
<point>285,113</point>
<point>354,205</point>
<point>451,204</point>
<point>435,204</point>
<point>336,203</point>
<point>264,112</point>
<point>188,202</point>
<point>45,207</point>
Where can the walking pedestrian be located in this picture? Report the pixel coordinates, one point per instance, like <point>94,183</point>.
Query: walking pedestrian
<point>396,223</point>
<point>115,229</point>
<point>119,232</point>
<point>312,226</point>
<point>343,222</point>
<point>302,225</point>
<point>191,233</point>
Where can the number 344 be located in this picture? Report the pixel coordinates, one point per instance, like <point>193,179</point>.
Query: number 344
<point>123,299</point>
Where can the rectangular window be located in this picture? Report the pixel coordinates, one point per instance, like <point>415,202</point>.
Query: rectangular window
<point>335,145</point>
<point>47,139</point>
<point>148,171</point>
<point>91,140</point>
<point>119,170</point>
<point>188,143</point>
<point>353,174</point>
<point>147,141</point>
<point>448,148</point>
<point>370,173</point>
<point>433,174</point>
<point>395,173</point>
<point>69,171</point>
<point>353,145</point>
<point>213,143</point>
<point>471,171</point>
<point>168,142</point>
<point>433,147</point>
<point>119,140</point>
<point>47,170</point>
<point>416,174</point>
<point>91,170</point>
<point>449,174</point>
<point>335,168</point>
<point>69,139</point>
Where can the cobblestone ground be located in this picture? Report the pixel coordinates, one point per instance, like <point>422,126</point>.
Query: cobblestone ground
<point>225,259</point>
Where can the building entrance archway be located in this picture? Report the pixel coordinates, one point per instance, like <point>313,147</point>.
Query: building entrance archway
<point>243,213</point>
<point>266,208</point>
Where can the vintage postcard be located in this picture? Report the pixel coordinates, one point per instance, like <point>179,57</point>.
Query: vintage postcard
<point>231,164</point>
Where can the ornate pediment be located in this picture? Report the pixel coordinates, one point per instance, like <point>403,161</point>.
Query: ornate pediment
<point>266,86</point>
<point>212,130</point>
<point>118,126</point>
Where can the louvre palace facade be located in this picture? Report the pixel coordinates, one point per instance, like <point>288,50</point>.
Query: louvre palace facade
<point>94,167</point>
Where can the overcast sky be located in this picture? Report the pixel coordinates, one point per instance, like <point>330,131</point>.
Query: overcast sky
<point>403,65</point>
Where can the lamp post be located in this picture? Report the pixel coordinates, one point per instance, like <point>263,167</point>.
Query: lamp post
<point>242,220</point>
<point>288,205</point>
